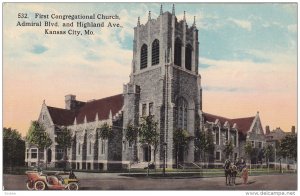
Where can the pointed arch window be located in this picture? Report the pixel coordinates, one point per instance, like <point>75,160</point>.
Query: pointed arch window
<point>181,113</point>
<point>90,147</point>
<point>79,148</point>
<point>102,146</point>
<point>177,52</point>
<point>144,56</point>
<point>188,57</point>
<point>155,52</point>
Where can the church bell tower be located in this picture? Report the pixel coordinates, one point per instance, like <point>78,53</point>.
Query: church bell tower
<point>164,82</point>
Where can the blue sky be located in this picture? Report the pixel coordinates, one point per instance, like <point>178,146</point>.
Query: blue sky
<point>247,58</point>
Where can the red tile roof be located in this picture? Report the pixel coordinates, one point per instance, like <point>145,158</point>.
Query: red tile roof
<point>243,124</point>
<point>89,109</point>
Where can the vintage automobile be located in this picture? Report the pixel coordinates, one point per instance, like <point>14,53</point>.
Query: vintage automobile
<point>52,180</point>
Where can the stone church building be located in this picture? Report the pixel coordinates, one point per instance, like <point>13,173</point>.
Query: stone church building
<point>164,82</point>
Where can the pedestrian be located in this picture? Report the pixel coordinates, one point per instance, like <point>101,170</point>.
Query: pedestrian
<point>245,175</point>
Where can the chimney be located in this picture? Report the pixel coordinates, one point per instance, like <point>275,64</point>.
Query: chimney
<point>268,130</point>
<point>293,130</point>
<point>70,102</point>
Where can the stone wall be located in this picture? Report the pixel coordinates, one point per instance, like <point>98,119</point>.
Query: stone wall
<point>185,85</point>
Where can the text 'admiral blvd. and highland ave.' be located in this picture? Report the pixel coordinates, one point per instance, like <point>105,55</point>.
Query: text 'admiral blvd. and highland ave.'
<point>68,24</point>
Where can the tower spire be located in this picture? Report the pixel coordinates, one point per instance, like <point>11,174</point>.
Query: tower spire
<point>173,10</point>
<point>184,15</point>
<point>194,24</point>
<point>149,16</point>
<point>161,9</point>
<point>138,22</point>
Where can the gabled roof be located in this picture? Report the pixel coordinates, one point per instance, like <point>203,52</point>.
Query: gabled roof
<point>243,124</point>
<point>61,116</point>
<point>102,107</point>
<point>212,118</point>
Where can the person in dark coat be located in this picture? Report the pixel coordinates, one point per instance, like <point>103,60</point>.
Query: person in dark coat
<point>72,175</point>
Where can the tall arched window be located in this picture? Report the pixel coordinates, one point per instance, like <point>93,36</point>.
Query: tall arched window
<point>144,56</point>
<point>181,113</point>
<point>177,52</point>
<point>90,147</point>
<point>79,148</point>
<point>155,52</point>
<point>188,57</point>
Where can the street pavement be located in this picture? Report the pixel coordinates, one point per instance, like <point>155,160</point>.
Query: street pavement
<point>113,181</point>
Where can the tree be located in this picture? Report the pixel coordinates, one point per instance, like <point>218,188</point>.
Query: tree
<point>96,150</point>
<point>200,143</point>
<point>228,149</point>
<point>149,135</point>
<point>288,147</point>
<point>105,131</point>
<point>204,143</point>
<point>64,141</point>
<point>249,152</point>
<point>210,146</point>
<point>181,138</point>
<point>13,148</point>
<point>39,137</point>
<point>268,153</point>
<point>131,134</point>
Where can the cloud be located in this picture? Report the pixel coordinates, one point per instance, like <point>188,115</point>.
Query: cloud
<point>242,23</point>
<point>248,76</point>
<point>39,49</point>
<point>202,65</point>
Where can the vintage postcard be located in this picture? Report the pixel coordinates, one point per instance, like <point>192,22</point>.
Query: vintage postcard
<point>150,96</point>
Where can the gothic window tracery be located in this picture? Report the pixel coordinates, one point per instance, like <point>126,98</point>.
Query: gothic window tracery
<point>144,56</point>
<point>155,52</point>
<point>102,147</point>
<point>182,113</point>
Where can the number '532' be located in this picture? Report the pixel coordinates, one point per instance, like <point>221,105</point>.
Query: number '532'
<point>22,15</point>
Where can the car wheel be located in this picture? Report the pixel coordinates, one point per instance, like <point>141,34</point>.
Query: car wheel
<point>30,185</point>
<point>73,186</point>
<point>39,185</point>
